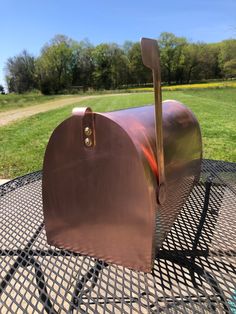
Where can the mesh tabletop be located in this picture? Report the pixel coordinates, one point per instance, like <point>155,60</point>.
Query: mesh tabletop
<point>194,272</point>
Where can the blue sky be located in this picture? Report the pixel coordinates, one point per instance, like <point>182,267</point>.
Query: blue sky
<point>29,24</point>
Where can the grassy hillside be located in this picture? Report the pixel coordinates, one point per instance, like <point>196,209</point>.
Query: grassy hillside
<point>22,144</point>
<point>14,101</point>
<point>204,85</point>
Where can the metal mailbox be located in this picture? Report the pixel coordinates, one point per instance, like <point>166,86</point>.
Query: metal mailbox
<point>114,183</point>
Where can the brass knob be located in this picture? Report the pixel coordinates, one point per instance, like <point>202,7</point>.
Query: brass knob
<point>88,142</point>
<point>87,131</point>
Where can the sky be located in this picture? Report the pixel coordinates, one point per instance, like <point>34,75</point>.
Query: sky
<point>29,24</point>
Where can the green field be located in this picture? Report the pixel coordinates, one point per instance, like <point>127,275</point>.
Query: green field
<point>15,101</point>
<point>22,144</point>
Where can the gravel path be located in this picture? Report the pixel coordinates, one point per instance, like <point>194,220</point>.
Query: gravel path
<point>25,112</point>
<point>10,116</point>
<point>15,114</point>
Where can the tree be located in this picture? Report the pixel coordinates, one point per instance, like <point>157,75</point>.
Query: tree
<point>54,66</point>
<point>172,60</point>
<point>20,73</point>
<point>209,63</point>
<point>139,74</point>
<point>119,67</point>
<point>102,59</point>
<point>127,46</point>
<point>64,64</point>
<point>229,68</point>
<point>2,90</point>
<point>82,65</point>
<point>227,57</point>
<point>191,54</point>
<point>110,66</point>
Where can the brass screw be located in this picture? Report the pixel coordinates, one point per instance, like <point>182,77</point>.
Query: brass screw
<point>87,131</point>
<point>88,142</point>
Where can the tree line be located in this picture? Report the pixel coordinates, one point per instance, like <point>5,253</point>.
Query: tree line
<point>65,65</point>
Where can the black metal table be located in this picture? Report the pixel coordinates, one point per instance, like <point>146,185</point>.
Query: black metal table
<point>194,272</point>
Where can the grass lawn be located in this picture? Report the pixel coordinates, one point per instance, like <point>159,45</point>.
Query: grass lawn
<point>15,101</point>
<point>22,144</point>
<point>206,85</point>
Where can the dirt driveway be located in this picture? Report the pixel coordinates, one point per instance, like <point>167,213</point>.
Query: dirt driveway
<point>15,114</point>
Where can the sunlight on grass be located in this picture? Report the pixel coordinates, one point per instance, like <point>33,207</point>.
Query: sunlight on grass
<point>212,85</point>
<point>15,101</point>
<point>22,144</point>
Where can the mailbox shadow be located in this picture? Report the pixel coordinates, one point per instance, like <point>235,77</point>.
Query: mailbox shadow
<point>192,260</point>
<point>183,265</point>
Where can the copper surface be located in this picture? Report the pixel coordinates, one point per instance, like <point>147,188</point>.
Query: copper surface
<point>104,200</point>
<point>151,59</point>
<point>95,201</point>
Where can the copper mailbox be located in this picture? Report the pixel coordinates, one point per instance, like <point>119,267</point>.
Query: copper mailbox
<point>114,183</point>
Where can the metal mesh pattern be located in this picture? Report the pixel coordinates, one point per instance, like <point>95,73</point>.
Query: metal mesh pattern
<point>194,271</point>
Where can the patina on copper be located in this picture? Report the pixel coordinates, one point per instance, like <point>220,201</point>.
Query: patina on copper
<point>102,175</point>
